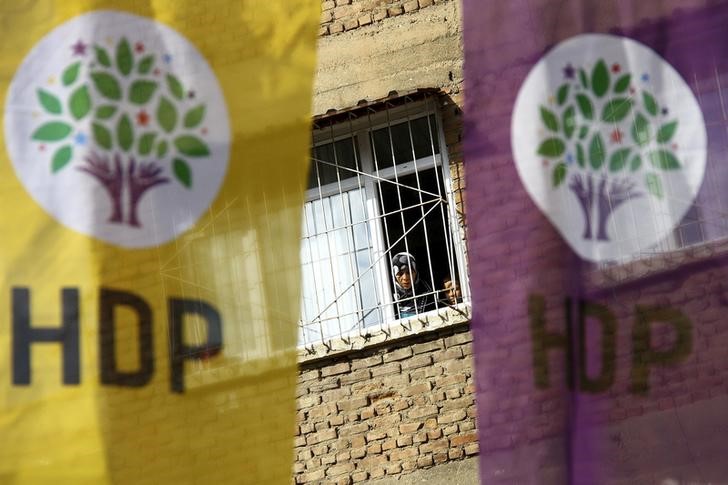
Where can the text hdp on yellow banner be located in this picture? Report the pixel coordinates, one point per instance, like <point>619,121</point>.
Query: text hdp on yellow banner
<point>151,181</point>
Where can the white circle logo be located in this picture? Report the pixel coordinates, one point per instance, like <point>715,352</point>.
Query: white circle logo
<point>610,143</point>
<point>116,125</point>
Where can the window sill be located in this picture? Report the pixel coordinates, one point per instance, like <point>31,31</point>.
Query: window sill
<point>387,333</point>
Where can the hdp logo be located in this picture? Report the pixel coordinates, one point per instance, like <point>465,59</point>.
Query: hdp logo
<point>610,143</point>
<point>116,125</point>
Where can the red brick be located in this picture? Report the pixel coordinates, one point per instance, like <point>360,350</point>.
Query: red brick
<point>380,14</point>
<point>353,429</point>
<point>315,476</point>
<point>358,375</point>
<point>340,469</point>
<point>367,362</point>
<point>394,11</point>
<point>424,461</point>
<point>403,454</point>
<point>417,361</point>
<point>403,441</point>
<point>463,439</point>
<point>411,6</point>
<point>452,416</point>
<point>398,354</point>
<point>436,446</point>
<point>449,354</point>
<point>439,458</point>
<point>417,389</point>
<point>389,444</point>
<point>409,428</point>
<point>386,369</point>
<point>308,401</point>
<point>352,404</point>
<point>422,411</point>
<point>332,370</point>
<point>428,346</point>
<point>458,339</point>
<point>376,435</point>
<point>448,430</point>
<point>455,453</point>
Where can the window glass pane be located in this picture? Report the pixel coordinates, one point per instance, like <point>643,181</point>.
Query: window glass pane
<point>338,292</point>
<point>370,312</point>
<point>400,144</point>
<point>328,167</point>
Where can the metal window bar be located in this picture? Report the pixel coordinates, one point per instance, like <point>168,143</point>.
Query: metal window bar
<point>417,180</point>
<point>448,235</point>
<point>401,214</point>
<point>369,236</point>
<point>351,250</point>
<point>328,237</point>
<point>377,186</point>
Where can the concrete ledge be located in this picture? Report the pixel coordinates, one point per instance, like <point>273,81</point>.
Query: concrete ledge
<point>387,333</point>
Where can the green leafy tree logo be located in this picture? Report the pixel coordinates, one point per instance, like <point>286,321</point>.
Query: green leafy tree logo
<point>607,138</point>
<point>144,127</point>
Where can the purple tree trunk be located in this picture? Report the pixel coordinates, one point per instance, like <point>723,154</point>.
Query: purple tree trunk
<point>583,188</point>
<point>140,179</point>
<point>111,178</point>
<point>608,200</point>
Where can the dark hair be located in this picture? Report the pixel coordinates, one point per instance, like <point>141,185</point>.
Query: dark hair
<point>450,279</point>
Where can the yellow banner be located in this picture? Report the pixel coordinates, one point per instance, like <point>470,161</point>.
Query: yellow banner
<point>151,186</point>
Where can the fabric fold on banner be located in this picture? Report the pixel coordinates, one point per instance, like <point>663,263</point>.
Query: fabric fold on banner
<point>595,138</point>
<point>155,155</point>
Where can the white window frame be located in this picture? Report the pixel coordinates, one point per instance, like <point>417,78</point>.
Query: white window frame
<point>360,130</point>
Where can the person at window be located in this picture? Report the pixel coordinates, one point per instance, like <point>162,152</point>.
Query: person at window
<point>412,294</point>
<point>450,292</point>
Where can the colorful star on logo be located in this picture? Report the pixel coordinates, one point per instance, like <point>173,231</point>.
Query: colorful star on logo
<point>569,71</point>
<point>79,48</point>
<point>645,78</point>
<point>142,118</point>
<point>139,47</point>
<point>616,68</point>
<point>80,138</point>
<point>616,136</point>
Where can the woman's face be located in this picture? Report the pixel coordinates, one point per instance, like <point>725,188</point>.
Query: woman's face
<point>406,277</point>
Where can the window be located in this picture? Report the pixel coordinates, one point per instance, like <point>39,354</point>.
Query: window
<point>378,186</point>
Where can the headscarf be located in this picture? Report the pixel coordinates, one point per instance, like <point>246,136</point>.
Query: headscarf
<point>406,301</point>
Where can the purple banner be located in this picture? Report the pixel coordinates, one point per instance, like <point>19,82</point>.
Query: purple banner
<point>597,200</point>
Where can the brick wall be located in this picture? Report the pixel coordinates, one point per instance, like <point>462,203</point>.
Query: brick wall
<point>385,411</point>
<point>344,15</point>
